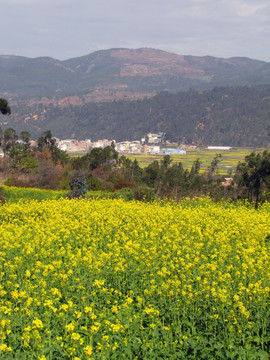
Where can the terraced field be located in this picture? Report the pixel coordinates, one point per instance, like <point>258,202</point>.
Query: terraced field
<point>229,162</point>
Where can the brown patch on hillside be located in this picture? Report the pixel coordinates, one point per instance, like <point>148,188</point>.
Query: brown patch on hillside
<point>99,95</point>
<point>149,62</point>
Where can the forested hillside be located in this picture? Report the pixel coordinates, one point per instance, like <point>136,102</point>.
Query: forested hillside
<point>237,116</point>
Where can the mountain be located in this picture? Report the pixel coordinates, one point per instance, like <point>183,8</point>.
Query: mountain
<point>115,74</point>
<point>230,116</point>
<point>125,93</point>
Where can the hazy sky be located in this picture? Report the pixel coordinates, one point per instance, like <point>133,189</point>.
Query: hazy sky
<point>65,29</point>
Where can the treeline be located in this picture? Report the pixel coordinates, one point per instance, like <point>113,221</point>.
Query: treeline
<point>38,166</point>
<point>105,170</point>
<point>45,166</point>
<point>232,116</point>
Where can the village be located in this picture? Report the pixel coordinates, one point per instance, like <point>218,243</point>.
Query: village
<point>152,143</point>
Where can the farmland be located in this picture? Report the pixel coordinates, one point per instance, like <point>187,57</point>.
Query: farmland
<point>229,163</point>
<point>110,279</point>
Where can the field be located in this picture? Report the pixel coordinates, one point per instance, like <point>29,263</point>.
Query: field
<point>109,279</point>
<point>13,194</point>
<point>230,160</point>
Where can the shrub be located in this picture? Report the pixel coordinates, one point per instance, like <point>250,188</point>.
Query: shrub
<point>124,193</point>
<point>94,183</point>
<point>78,186</point>
<point>144,193</point>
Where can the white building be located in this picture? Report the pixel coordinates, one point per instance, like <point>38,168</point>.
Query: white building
<point>219,148</point>
<point>154,149</point>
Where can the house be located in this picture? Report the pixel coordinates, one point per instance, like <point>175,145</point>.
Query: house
<point>219,148</point>
<point>154,149</point>
<point>155,138</point>
<point>123,146</point>
<point>171,151</point>
<point>227,181</point>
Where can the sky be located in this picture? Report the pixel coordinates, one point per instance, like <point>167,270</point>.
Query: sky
<point>65,29</point>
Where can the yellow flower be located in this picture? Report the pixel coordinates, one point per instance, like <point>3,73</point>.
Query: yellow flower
<point>70,327</point>
<point>4,347</point>
<point>37,323</point>
<point>75,336</point>
<point>88,350</point>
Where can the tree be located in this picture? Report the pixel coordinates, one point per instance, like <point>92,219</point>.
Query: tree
<point>214,163</point>
<point>173,180</point>
<point>195,169</point>
<point>78,186</point>
<point>10,138</point>
<point>1,137</point>
<point>136,171</point>
<point>99,157</point>
<point>165,162</point>
<point>211,175</point>
<point>254,174</point>
<point>4,108</point>
<point>131,170</point>
<point>195,182</point>
<point>25,139</point>
<point>108,154</point>
<point>46,140</point>
<point>114,152</point>
<point>59,156</point>
<point>95,158</point>
<point>150,173</point>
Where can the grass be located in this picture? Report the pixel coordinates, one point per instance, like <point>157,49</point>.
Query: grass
<point>13,194</point>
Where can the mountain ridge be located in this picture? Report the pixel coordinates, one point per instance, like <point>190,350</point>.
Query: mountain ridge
<point>199,99</point>
<point>129,71</point>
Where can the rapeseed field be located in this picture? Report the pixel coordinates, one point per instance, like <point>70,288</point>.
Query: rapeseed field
<point>109,279</point>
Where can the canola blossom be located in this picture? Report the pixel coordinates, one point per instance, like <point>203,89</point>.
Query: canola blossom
<point>109,279</point>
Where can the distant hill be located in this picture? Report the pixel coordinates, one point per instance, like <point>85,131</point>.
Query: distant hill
<point>115,74</point>
<point>232,116</point>
<point>90,96</point>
